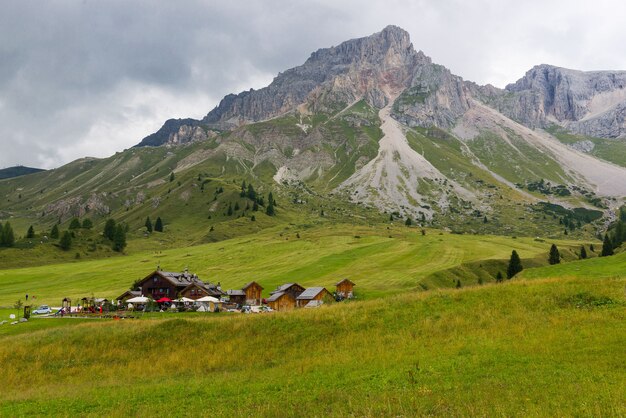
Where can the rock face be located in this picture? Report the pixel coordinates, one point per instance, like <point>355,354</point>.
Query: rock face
<point>589,103</point>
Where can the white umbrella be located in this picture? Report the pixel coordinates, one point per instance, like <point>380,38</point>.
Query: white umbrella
<point>183,299</point>
<point>208,299</point>
<point>138,299</point>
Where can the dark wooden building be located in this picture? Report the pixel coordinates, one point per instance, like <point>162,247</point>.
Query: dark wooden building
<point>345,288</point>
<point>281,301</point>
<point>129,294</point>
<point>294,289</point>
<point>160,284</point>
<point>313,294</point>
<point>236,296</point>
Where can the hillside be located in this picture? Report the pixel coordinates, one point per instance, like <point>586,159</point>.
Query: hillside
<point>17,171</point>
<point>364,132</point>
<point>541,346</point>
<point>382,260</point>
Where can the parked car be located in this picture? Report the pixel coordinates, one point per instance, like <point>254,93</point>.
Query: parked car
<point>42,310</point>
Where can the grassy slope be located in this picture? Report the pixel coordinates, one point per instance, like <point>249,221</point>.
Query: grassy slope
<point>522,348</point>
<point>381,261</point>
<point>613,150</point>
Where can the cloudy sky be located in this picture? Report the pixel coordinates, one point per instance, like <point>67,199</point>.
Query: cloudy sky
<point>92,77</point>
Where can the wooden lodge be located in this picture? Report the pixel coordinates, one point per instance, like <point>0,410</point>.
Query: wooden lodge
<point>345,288</point>
<point>159,284</point>
<point>281,301</point>
<point>313,296</point>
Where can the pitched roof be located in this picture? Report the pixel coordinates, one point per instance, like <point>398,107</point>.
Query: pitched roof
<point>235,292</point>
<point>250,284</point>
<point>345,280</point>
<point>277,295</point>
<point>284,287</point>
<point>131,293</point>
<point>184,280</point>
<point>310,293</point>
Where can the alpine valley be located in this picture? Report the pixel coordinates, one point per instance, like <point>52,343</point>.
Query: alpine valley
<point>473,238</point>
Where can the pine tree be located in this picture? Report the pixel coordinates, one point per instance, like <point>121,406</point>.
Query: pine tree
<point>243,189</point>
<point>391,217</point>
<point>54,232</point>
<point>270,200</point>
<point>618,235</point>
<point>458,284</point>
<point>555,256</point>
<point>408,221</point>
<point>172,177</point>
<point>109,229</point>
<point>515,265</point>
<point>255,206</point>
<point>230,210</point>
<point>66,241</point>
<point>253,218</point>
<point>236,206</point>
<point>119,239</point>
<point>270,210</point>
<point>607,246</point>
<point>499,277</point>
<point>87,224</point>
<point>583,252</point>
<point>8,237</point>
<point>251,192</point>
<point>485,220</point>
<point>74,224</point>
<point>31,232</point>
<point>148,224</point>
<point>158,225</point>
<point>593,250</point>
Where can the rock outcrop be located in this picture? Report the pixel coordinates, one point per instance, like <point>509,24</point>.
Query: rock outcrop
<point>589,103</point>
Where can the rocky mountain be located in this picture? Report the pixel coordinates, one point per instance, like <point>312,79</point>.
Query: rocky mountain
<point>588,103</point>
<point>376,124</point>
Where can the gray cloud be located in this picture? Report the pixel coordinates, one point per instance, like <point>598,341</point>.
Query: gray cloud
<point>94,77</point>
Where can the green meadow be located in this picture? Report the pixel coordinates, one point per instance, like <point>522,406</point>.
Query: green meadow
<point>538,345</point>
<point>549,342</point>
<point>381,260</point>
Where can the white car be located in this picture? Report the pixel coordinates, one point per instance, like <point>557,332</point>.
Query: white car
<point>42,310</point>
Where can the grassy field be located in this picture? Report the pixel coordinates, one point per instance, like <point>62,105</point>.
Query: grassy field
<point>380,260</point>
<point>534,346</point>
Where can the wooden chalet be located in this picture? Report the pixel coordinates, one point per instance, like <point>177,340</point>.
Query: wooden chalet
<point>281,301</point>
<point>253,293</point>
<point>312,295</point>
<point>294,289</point>
<point>345,288</point>
<point>129,294</point>
<point>159,284</point>
<point>199,290</point>
<point>236,296</point>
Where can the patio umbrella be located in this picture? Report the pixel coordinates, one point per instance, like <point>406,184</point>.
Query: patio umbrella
<point>163,300</point>
<point>208,299</point>
<point>183,299</point>
<point>138,299</point>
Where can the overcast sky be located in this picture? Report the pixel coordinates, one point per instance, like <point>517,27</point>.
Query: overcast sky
<point>92,77</point>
